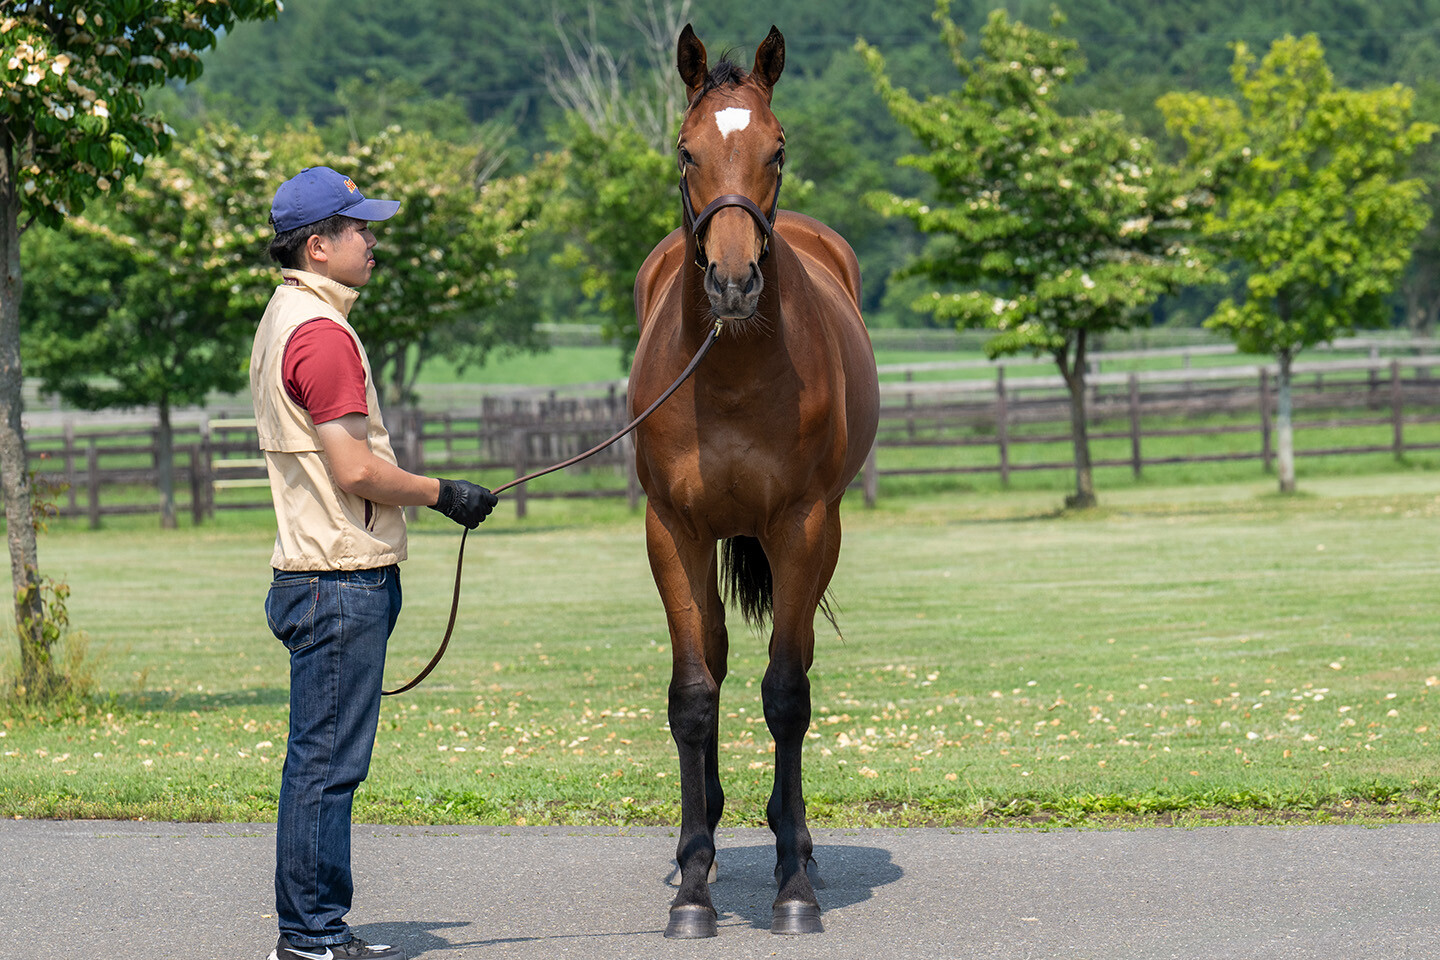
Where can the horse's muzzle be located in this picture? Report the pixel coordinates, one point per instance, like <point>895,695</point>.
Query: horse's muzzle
<point>732,297</point>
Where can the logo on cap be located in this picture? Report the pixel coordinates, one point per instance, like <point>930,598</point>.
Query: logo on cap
<point>350,185</point>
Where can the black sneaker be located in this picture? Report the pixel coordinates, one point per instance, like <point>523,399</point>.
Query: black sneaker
<point>354,949</point>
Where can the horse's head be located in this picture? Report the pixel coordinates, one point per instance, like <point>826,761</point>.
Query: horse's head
<point>731,149</point>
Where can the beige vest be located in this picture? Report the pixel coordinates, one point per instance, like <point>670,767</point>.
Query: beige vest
<point>321,526</point>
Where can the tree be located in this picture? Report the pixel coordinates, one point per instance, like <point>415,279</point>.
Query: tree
<point>620,193</point>
<point>1311,203</point>
<point>153,300</point>
<point>1050,229</point>
<point>610,94</point>
<point>620,198</point>
<point>74,125</point>
<point>445,260</point>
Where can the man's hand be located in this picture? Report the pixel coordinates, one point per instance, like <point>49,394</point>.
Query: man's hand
<point>464,502</point>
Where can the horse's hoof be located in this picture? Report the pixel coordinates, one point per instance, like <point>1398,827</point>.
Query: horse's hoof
<point>794,918</point>
<point>691,921</point>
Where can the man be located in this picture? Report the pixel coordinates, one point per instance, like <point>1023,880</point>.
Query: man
<point>338,496</point>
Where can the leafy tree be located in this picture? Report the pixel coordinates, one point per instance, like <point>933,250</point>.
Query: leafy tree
<point>1050,229</point>
<point>619,194</point>
<point>445,260</point>
<point>74,125</point>
<point>619,199</point>
<point>1311,203</point>
<point>842,142</point>
<point>153,300</point>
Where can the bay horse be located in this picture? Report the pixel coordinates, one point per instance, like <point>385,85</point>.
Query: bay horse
<point>755,450</point>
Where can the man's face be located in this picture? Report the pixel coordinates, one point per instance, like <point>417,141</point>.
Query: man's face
<point>348,257</point>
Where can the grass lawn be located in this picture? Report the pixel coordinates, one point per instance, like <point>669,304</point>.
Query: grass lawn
<point>594,364</point>
<point>1182,652</point>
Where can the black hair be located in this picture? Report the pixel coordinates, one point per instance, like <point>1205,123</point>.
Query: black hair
<point>725,73</point>
<point>287,248</point>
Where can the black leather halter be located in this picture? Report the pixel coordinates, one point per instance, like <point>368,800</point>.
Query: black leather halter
<point>695,224</point>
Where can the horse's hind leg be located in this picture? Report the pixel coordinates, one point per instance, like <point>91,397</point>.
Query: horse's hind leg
<point>800,562</point>
<point>685,577</point>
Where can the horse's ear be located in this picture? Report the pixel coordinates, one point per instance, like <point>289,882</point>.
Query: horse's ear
<point>690,61</point>
<point>770,59</point>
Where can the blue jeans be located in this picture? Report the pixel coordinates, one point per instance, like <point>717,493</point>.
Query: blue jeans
<point>335,625</point>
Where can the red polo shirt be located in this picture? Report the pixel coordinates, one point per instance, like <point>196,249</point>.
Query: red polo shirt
<point>322,371</point>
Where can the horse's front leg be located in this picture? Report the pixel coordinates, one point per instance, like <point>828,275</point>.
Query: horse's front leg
<point>684,573</point>
<point>802,559</point>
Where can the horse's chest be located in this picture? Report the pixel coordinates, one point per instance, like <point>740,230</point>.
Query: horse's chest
<point>740,465</point>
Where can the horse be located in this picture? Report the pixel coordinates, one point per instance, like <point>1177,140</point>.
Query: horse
<point>754,451</point>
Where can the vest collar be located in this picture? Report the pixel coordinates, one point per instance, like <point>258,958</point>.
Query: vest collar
<point>333,293</point>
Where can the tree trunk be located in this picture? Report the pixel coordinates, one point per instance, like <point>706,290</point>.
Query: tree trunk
<point>35,669</point>
<point>165,466</point>
<point>1284,428</point>
<point>1084,495</point>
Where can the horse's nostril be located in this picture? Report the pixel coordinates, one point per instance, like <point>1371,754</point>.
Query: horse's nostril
<point>752,285</point>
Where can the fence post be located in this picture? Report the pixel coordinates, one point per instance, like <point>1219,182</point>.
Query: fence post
<point>1372,376</point>
<point>206,456</point>
<point>521,441</point>
<point>871,482</point>
<point>1397,410</point>
<point>1002,425</point>
<point>910,407</point>
<point>197,484</point>
<point>70,467</point>
<point>1266,454</point>
<point>92,466</point>
<point>1134,425</point>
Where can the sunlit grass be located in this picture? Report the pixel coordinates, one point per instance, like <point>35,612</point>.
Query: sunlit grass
<point>1212,648</point>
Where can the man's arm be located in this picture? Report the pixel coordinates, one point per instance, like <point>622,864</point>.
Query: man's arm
<point>359,471</point>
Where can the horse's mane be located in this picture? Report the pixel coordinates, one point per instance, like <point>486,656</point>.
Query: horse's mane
<point>726,72</point>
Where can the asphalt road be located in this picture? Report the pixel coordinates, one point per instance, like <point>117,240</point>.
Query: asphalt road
<point>141,891</point>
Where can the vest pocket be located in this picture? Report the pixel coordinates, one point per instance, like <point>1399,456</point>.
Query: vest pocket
<point>290,609</point>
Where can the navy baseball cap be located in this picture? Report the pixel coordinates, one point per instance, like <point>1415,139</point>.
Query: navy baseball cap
<point>319,192</point>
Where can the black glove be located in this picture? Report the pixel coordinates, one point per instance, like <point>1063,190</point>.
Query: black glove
<point>464,502</point>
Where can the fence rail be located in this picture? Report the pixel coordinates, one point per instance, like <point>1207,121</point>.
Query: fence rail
<point>113,471</point>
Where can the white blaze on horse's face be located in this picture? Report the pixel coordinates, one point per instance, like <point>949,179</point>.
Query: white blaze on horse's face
<point>732,119</point>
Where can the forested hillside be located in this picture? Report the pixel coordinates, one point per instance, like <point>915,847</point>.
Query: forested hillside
<point>352,67</point>
<point>491,54</point>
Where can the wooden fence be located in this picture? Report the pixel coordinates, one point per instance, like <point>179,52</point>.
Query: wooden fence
<point>997,424</point>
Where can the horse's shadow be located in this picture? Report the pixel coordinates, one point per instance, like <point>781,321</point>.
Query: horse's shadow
<point>743,891</point>
<point>843,875</point>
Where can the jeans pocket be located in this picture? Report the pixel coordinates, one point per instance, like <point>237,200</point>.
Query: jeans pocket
<point>372,579</point>
<point>290,609</point>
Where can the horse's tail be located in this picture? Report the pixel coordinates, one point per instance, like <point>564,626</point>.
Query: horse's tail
<point>746,580</point>
<point>745,576</point>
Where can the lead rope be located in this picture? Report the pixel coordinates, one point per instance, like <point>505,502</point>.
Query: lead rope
<point>460,558</point>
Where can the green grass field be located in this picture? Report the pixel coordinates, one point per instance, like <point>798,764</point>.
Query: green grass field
<point>576,365</point>
<point>1189,653</point>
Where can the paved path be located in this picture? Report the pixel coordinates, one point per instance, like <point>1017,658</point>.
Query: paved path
<point>141,891</point>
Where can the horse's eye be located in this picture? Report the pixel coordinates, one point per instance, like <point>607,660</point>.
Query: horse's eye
<point>685,157</point>
<point>779,160</point>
